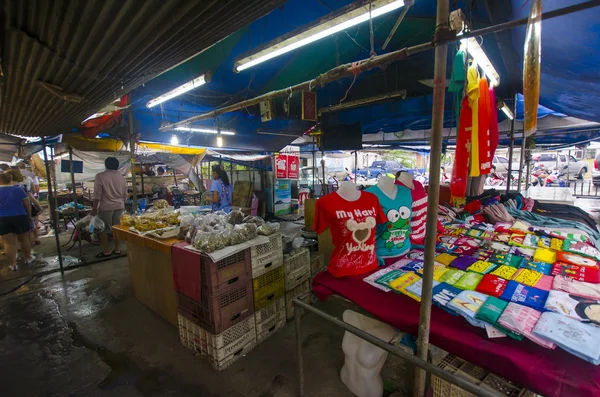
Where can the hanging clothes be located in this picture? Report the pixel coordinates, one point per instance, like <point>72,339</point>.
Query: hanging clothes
<point>457,81</point>
<point>460,169</point>
<point>484,113</point>
<point>494,135</point>
<point>473,95</point>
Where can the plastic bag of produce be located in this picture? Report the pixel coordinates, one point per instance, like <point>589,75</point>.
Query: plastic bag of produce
<point>257,220</point>
<point>96,225</point>
<point>235,217</point>
<point>268,229</point>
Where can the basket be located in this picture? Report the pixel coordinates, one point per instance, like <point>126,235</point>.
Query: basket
<point>297,269</point>
<point>476,374</point>
<point>218,347</point>
<point>226,274</point>
<point>216,314</point>
<point>268,328</point>
<point>289,295</point>
<point>268,288</point>
<point>317,263</point>
<point>263,254</point>
<point>270,311</point>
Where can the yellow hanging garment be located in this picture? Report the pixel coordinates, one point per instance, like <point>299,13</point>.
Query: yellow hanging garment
<point>473,95</point>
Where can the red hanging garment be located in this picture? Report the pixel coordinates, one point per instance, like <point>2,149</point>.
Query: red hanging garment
<point>460,170</point>
<point>494,136</point>
<point>484,114</point>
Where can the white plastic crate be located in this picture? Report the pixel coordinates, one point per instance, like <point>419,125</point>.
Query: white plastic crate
<point>317,263</point>
<point>268,328</point>
<point>265,254</point>
<point>235,356</point>
<point>296,292</point>
<point>270,311</point>
<point>217,347</point>
<point>296,268</point>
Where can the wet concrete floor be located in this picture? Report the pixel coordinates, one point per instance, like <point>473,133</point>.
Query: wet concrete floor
<point>84,334</point>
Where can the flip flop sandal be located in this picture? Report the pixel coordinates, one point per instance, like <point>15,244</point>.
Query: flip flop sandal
<point>103,255</point>
<point>116,253</point>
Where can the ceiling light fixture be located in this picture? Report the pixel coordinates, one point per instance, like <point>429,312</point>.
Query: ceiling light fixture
<point>507,112</point>
<point>204,130</point>
<point>471,46</point>
<point>358,15</point>
<point>219,139</point>
<point>174,140</point>
<point>190,85</point>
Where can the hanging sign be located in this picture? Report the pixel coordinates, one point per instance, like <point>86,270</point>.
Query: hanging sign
<point>281,166</point>
<point>309,106</point>
<point>293,163</point>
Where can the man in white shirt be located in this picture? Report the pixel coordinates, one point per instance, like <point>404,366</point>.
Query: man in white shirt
<point>26,173</point>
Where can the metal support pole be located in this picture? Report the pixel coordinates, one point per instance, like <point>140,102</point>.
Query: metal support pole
<point>231,172</point>
<point>132,154</point>
<point>75,198</point>
<point>459,381</point>
<point>437,125</point>
<point>512,146</point>
<point>142,178</point>
<point>356,167</point>
<point>52,207</point>
<point>299,358</point>
<point>522,160</point>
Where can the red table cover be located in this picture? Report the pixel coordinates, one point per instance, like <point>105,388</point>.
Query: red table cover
<point>547,372</point>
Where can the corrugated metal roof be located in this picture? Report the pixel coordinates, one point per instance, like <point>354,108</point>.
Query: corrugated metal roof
<point>64,59</point>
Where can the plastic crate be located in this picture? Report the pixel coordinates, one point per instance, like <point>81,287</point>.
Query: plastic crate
<point>268,288</point>
<point>227,361</point>
<point>296,268</point>
<point>289,295</point>
<point>186,271</point>
<point>226,274</point>
<point>270,311</point>
<point>268,328</point>
<point>317,263</point>
<point>220,346</point>
<point>268,252</point>
<point>259,270</point>
<point>476,374</point>
<point>216,314</point>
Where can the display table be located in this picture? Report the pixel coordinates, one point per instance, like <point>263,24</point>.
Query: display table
<point>151,271</point>
<point>544,371</point>
<point>554,195</point>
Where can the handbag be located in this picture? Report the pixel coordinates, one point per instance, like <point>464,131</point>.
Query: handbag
<point>35,211</point>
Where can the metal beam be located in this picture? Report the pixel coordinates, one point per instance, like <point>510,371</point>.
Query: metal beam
<point>132,155</point>
<point>52,207</point>
<point>350,69</point>
<point>396,25</point>
<point>435,163</point>
<point>364,101</point>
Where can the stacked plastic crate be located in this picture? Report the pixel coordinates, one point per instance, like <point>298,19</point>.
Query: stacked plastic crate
<point>217,319</point>
<point>268,287</point>
<point>297,277</point>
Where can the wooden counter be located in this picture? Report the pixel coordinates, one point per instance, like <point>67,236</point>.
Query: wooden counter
<point>151,271</point>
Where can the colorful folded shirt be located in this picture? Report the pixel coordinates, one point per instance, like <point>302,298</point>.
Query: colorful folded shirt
<point>544,255</point>
<point>467,303</point>
<point>504,271</point>
<point>466,245</point>
<point>581,248</point>
<point>371,279</point>
<point>482,254</point>
<point>452,276</point>
<point>385,278</point>
<point>544,268</point>
<point>443,293</point>
<point>574,259</point>
<point>577,338</point>
<point>507,259</point>
<point>527,277</point>
<point>503,227</point>
<point>577,288</point>
<point>572,236</point>
<point>445,259</point>
<point>575,307</point>
<point>469,281</point>
<point>500,248</point>
<point>579,273</point>
<point>545,283</point>
<point>525,295</point>
<point>524,240</point>
<point>520,227</point>
<point>405,280</point>
<point>414,255</point>
<point>491,285</point>
<point>414,266</point>
<point>482,267</point>
<point>501,237</point>
<point>415,289</point>
<point>527,253</point>
<point>550,243</point>
<point>521,319</point>
<point>491,311</point>
<point>463,262</point>
<point>400,263</point>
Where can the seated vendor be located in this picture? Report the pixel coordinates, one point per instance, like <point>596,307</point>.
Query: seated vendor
<point>220,190</point>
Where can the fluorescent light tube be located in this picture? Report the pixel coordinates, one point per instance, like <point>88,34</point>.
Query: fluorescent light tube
<point>174,140</point>
<point>319,32</point>
<point>474,49</point>
<point>219,140</point>
<point>204,130</point>
<point>507,112</point>
<point>190,85</point>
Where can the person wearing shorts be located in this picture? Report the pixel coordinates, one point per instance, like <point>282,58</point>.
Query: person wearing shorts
<point>15,220</point>
<point>110,194</point>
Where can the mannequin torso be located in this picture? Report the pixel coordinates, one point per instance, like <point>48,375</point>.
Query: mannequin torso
<point>387,186</point>
<point>406,179</point>
<point>348,191</point>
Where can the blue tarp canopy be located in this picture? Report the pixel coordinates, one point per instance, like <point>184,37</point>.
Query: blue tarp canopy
<point>570,85</point>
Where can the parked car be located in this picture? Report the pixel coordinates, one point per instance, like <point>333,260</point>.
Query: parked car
<point>552,160</point>
<point>501,164</point>
<point>382,167</point>
<point>596,171</point>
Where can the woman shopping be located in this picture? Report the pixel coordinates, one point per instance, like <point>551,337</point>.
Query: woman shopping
<point>15,220</point>
<point>220,190</point>
<point>26,183</point>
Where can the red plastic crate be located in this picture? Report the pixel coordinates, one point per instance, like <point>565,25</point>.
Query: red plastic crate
<point>226,274</point>
<point>217,313</point>
<point>186,271</point>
